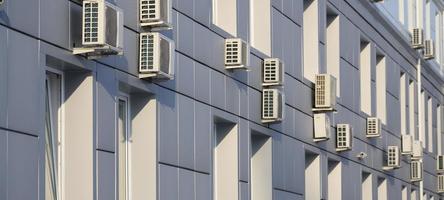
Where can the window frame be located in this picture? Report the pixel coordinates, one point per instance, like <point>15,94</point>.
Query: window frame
<point>126,99</point>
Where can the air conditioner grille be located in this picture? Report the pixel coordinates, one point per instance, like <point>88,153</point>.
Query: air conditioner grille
<point>232,52</point>
<point>270,70</point>
<point>393,156</point>
<point>148,9</point>
<point>372,126</point>
<point>415,171</point>
<point>440,162</point>
<point>343,136</point>
<point>440,186</point>
<point>320,90</point>
<point>91,22</point>
<point>147,52</point>
<point>268,104</point>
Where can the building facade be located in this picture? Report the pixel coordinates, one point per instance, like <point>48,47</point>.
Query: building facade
<point>83,115</point>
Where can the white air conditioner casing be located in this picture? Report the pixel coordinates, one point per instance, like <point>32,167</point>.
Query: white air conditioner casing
<point>321,127</point>
<point>393,157</point>
<point>102,29</point>
<point>415,170</point>
<point>407,144</point>
<point>156,56</point>
<point>155,14</point>
<point>417,150</point>
<point>429,49</point>
<point>272,72</point>
<point>344,137</point>
<point>325,92</point>
<point>417,38</point>
<point>272,105</point>
<point>440,183</point>
<point>373,127</point>
<point>440,163</point>
<point>237,54</point>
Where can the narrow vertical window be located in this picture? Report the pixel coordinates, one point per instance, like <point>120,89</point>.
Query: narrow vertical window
<point>382,188</point>
<point>124,143</point>
<point>225,161</point>
<point>334,180</point>
<point>439,129</point>
<point>333,47</point>
<point>312,176</point>
<point>365,72</point>
<point>430,124</point>
<point>413,195</point>
<point>366,186</point>
<point>53,101</point>
<point>412,114</point>
<point>381,87</point>
<point>404,193</point>
<point>260,26</point>
<point>422,118</point>
<point>225,15</point>
<point>402,103</point>
<point>311,39</point>
<point>261,167</point>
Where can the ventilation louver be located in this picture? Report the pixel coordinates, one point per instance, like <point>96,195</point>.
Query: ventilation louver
<point>156,56</point>
<point>440,183</point>
<point>155,14</point>
<point>325,92</point>
<point>373,127</point>
<point>272,105</point>
<point>343,137</point>
<point>415,171</point>
<point>321,127</point>
<point>237,54</point>
<point>272,72</point>
<point>417,38</point>
<point>102,29</point>
<point>429,50</point>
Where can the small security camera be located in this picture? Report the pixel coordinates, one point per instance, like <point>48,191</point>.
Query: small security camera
<point>361,155</point>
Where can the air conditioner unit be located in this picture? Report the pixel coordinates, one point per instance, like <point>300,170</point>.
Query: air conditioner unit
<point>102,29</point>
<point>1,2</point>
<point>393,158</point>
<point>415,170</point>
<point>272,105</point>
<point>272,72</point>
<point>325,92</point>
<point>156,56</point>
<point>440,183</point>
<point>440,163</point>
<point>417,150</point>
<point>155,14</point>
<point>429,50</point>
<point>321,127</point>
<point>373,127</point>
<point>344,137</point>
<point>237,53</point>
<point>417,38</point>
<point>406,144</point>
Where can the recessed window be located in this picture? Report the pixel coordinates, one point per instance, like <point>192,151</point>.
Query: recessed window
<point>412,114</point>
<point>365,72</point>
<point>334,180</point>
<point>404,193</point>
<point>422,118</point>
<point>430,128</point>
<point>123,149</point>
<point>382,188</point>
<point>311,39</point>
<point>439,128</point>
<point>260,25</point>
<point>381,88</point>
<point>366,186</point>
<point>261,167</point>
<point>225,166</point>
<point>414,195</point>
<point>333,47</point>
<point>53,154</point>
<point>312,176</point>
<point>225,15</point>
<point>402,103</point>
